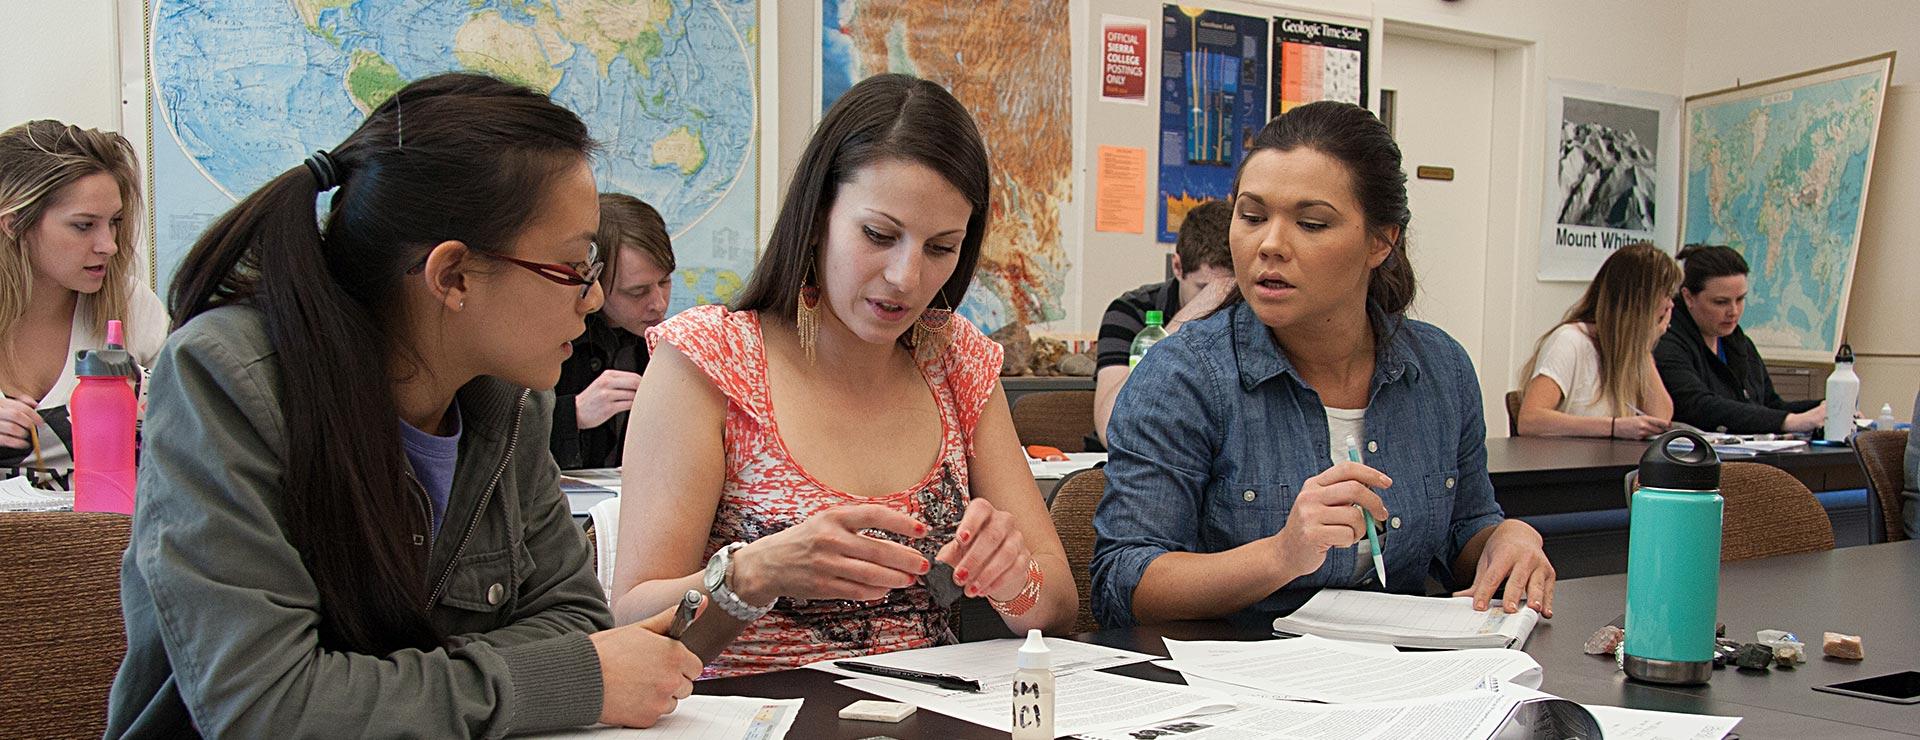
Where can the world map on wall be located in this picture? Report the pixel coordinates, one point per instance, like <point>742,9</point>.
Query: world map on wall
<point>1008,63</point>
<point>1782,178</point>
<point>245,89</point>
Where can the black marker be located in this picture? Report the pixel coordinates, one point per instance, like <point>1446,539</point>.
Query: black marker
<point>942,680</point>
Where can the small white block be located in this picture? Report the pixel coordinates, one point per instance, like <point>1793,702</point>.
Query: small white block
<point>877,711</point>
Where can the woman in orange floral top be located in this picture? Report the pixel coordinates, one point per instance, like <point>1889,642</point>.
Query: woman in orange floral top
<point>832,458</point>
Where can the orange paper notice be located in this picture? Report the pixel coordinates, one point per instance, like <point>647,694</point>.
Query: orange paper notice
<point>1120,190</point>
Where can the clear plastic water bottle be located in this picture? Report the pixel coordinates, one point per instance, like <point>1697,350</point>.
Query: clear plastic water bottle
<point>1146,338</point>
<point>1886,422</point>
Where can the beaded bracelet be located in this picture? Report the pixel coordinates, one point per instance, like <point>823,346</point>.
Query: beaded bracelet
<point>1027,597</point>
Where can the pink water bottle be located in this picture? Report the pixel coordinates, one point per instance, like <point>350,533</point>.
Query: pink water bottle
<point>104,410</point>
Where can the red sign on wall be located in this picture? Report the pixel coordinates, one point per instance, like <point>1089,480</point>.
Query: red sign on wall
<point>1123,60</point>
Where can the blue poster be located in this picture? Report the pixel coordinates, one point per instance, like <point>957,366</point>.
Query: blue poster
<point>1213,99</point>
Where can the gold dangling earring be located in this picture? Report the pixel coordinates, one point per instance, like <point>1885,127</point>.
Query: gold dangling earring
<point>931,332</point>
<point>806,318</point>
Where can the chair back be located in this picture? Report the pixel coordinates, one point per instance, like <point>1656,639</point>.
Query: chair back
<point>1513,413</point>
<point>1072,508</point>
<point>1883,455</point>
<point>1768,513</point>
<point>65,634</point>
<point>1060,419</point>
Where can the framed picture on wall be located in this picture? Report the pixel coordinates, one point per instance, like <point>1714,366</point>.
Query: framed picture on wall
<point>1612,175</point>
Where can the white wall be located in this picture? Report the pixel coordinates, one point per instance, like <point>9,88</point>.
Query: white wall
<point>62,60</point>
<point>59,59</point>
<point>1733,41</point>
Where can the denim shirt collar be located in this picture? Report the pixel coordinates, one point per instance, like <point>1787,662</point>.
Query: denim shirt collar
<point>1259,359</point>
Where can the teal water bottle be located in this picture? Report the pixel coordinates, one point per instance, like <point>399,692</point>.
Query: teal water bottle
<point>1673,563</point>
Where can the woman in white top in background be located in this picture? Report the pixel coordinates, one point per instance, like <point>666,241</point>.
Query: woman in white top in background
<point>69,198</point>
<point>1593,375</point>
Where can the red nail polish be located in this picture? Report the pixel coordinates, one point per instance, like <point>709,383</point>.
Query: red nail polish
<point>966,537</point>
<point>960,573</point>
<point>925,566</point>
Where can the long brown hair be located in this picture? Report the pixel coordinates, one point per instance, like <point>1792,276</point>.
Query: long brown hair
<point>451,157</point>
<point>1620,305</point>
<point>1359,141</point>
<point>889,116</point>
<point>38,160</point>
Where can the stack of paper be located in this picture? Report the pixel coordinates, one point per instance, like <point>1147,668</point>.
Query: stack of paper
<point>1408,621</point>
<point>706,717</point>
<point>589,486</point>
<point>1056,469</point>
<point>1334,671</point>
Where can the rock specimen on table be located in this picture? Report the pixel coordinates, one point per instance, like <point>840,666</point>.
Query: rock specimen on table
<point>1844,647</point>
<point>1604,640</point>
<point>1787,647</point>
<point>1018,343</point>
<point>1755,656</point>
<point>1079,364</point>
<point>1724,651</point>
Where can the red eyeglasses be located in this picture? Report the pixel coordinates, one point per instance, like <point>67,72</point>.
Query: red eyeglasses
<point>582,274</point>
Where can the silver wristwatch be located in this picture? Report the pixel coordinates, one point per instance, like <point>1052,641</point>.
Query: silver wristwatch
<point>719,568</point>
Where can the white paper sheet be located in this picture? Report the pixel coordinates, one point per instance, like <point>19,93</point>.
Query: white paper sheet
<point>1088,701</point>
<point>1466,715</point>
<point>18,494</point>
<point>1621,723</point>
<point>1332,671</point>
<point>1224,650</point>
<point>990,661</point>
<point>703,718</point>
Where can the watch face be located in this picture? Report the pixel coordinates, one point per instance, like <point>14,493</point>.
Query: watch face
<point>716,570</point>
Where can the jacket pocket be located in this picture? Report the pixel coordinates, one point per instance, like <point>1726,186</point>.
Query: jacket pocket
<point>483,582</point>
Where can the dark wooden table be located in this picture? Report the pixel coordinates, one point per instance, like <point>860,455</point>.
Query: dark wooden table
<point>1550,475</point>
<point>1872,591</point>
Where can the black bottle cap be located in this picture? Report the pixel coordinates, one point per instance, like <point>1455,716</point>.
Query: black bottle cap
<point>1688,469</point>
<point>1845,354</point>
<point>97,363</point>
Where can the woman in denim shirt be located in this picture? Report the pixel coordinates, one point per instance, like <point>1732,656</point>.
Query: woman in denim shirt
<point>1229,493</point>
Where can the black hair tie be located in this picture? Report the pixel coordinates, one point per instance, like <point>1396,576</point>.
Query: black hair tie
<point>325,172</point>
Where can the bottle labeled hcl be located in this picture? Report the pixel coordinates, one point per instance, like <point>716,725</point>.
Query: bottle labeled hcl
<point>1033,690</point>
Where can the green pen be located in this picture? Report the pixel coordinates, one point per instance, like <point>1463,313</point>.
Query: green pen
<point>1373,540</point>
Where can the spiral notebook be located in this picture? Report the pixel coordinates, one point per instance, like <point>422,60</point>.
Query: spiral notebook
<point>1408,621</point>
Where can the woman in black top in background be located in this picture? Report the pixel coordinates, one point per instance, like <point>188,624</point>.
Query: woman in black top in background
<point>1712,370</point>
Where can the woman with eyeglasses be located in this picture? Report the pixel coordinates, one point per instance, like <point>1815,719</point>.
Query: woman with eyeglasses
<point>348,523</point>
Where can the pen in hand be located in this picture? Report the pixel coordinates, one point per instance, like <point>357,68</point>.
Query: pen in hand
<point>688,609</point>
<point>1373,540</point>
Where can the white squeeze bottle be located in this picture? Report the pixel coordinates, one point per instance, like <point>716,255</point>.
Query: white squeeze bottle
<point>1843,396</point>
<point>1886,421</point>
<point>1033,691</point>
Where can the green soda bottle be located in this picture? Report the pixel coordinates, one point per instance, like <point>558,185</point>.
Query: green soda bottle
<point>1146,338</point>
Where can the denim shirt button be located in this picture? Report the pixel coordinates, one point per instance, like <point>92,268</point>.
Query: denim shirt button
<point>1395,523</point>
<point>1373,446</point>
<point>1449,483</point>
<point>1249,496</point>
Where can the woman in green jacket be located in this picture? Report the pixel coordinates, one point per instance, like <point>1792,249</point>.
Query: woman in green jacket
<point>347,521</point>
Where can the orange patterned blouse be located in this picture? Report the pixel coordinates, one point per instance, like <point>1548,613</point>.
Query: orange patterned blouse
<point>765,492</point>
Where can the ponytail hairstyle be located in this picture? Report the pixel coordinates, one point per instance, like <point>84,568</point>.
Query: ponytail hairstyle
<point>1621,304</point>
<point>1708,261</point>
<point>451,157</point>
<point>885,117</point>
<point>38,160</point>
<point>1352,135</point>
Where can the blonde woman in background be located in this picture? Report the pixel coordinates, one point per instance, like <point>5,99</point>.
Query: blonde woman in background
<point>1593,375</point>
<point>69,199</point>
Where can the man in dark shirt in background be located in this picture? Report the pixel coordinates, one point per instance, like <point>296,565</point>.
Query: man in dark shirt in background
<point>598,381</point>
<point>1203,278</point>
